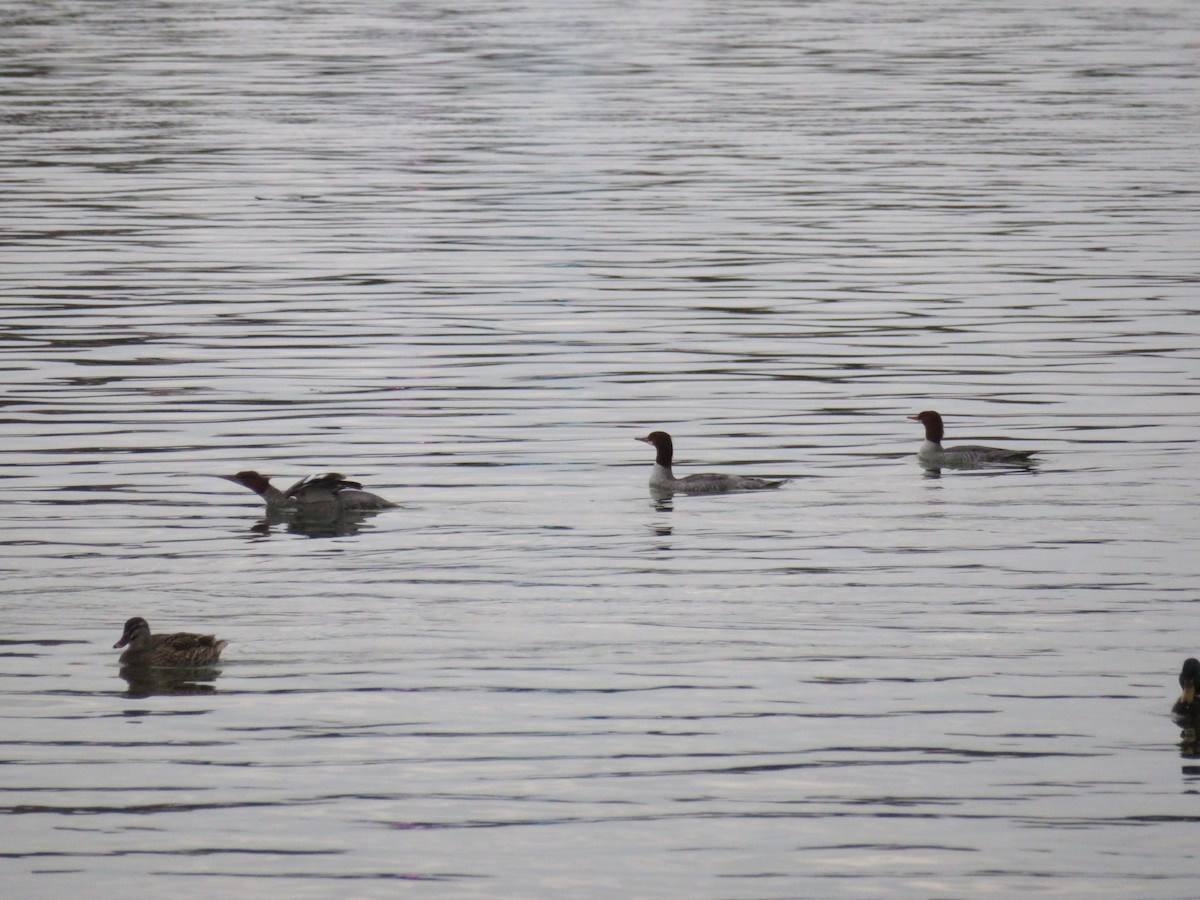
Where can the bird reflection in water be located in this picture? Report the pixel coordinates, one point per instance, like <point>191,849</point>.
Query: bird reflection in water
<point>662,501</point>
<point>296,522</point>
<point>1189,745</point>
<point>146,681</point>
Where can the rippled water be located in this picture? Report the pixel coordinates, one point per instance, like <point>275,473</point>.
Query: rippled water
<point>467,252</point>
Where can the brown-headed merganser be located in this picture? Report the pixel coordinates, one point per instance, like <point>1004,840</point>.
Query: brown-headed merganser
<point>966,456</point>
<point>1186,706</point>
<point>329,492</point>
<point>166,650</point>
<point>662,479</point>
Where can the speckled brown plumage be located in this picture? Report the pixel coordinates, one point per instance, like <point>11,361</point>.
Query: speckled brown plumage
<point>166,650</point>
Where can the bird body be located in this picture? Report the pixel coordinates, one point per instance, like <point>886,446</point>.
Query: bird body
<point>328,493</point>
<point>964,456</point>
<point>166,650</point>
<point>662,478</point>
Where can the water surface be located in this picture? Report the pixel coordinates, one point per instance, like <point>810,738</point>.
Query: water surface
<point>467,253</point>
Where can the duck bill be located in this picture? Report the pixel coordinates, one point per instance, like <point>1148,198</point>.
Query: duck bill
<point>121,643</point>
<point>644,440</point>
<point>1189,693</point>
<point>913,418</point>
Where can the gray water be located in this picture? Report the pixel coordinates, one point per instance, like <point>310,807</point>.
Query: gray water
<point>466,253</point>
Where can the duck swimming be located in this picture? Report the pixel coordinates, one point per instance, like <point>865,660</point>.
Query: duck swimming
<point>663,479</point>
<point>166,650</point>
<point>326,493</point>
<point>965,456</point>
<point>1186,706</point>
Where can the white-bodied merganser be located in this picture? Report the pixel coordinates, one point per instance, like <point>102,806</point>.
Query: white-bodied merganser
<point>166,650</point>
<point>662,479</point>
<point>1189,679</point>
<point>326,493</point>
<point>966,456</point>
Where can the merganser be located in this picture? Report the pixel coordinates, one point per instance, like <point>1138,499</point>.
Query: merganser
<point>328,492</point>
<point>166,650</point>
<point>662,479</point>
<point>1186,706</point>
<point>965,456</point>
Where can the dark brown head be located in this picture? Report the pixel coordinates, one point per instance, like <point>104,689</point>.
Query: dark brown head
<point>135,628</point>
<point>1189,679</point>
<point>934,430</point>
<point>260,484</point>
<point>661,441</point>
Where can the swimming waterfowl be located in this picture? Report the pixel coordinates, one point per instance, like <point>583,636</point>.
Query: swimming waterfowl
<point>663,479</point>
<point>166,650</point>
<point>965,456</point>
<point>329,492</point>
<point>1189,678</point>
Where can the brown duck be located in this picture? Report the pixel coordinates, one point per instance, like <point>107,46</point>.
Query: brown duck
<point>1187,707</point>
<point>166,650</point>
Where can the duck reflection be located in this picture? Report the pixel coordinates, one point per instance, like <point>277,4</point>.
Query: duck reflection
<point>296,522</point>
<point>146,681</point>
<point>1189,745</point>
<point>934,470</point>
